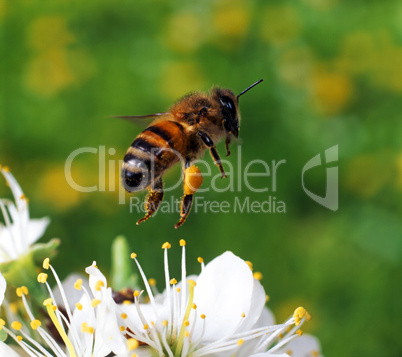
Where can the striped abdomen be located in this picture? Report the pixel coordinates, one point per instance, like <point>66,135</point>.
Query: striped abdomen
<point>156,149</point>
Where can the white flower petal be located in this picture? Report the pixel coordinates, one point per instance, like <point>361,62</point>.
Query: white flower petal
<point>36,229</point>
<point>305,345</point>
<point>3,286</point>
<point>6,351</point>
<point>224,291</point>
<point>267,354</point>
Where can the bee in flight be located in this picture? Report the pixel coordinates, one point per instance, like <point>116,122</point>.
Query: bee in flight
<point>192,125</point>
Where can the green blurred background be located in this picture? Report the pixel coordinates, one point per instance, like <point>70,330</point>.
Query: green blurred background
<point>332,76</point>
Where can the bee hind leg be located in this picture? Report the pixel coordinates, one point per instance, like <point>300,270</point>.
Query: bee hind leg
<point>153,200</point>
<point>192,182</point>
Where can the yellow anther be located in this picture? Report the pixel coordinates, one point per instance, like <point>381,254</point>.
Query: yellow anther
<point>289,352</point>
<point>95,302</point>
<point>6,169</point>
<point>240,341</point>
<point>152,282</point>
<point>132,344</point>
<point>315,353</point>
<point>164,323</point>
<point>299,313</point>
<point>250,264</point>
<point>136,293</point>
<point>182,242</point>
<point>16,325</point>
<point>23,290</point>
<point>78,284</point>
<point>13,307</point>
<point>186,333</point>
<point>266,298</point>
<point>133,355</point>
<point>187,323</point>
<point>178,290</point>
<point>299,332</point>
<point>47,302</point>
<point>152,323</point>
<point>2,323</point>
<point>99,284</point>
<point>78,306</point>
<point>123,315</point>
<point>19,338</point>
<point>146,326</point>
<point>46,263</point>
<point>257,275</point>
<point>133,255</point>
<point>308,316</point>
<point>203,316</point>
<point>194,306</point>
<point>86,328</point>
<point>126,302</point>
<point>192,283</point>
<point>173,281</point>
<point>122,328</point>
<point>166,245</point>
<point>42,277</point>
<point>200,260</point>
<point>54,307</point>
<point>22,197</point>
<point>35,324</point>
<point>243,315</point>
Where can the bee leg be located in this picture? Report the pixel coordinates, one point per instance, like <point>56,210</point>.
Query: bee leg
<point>153,200</point>
<point>192,182</point>
<point>208,142</point>
<point>227,143</point>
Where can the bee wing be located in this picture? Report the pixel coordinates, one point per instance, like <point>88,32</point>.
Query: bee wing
<point>137,118</point>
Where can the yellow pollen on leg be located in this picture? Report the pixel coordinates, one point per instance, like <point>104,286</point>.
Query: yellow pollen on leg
<point>173,281</point>
<point>132,344</point>
<point>99,284</point>
<point>78,284</point>
<point>182,242</point>
<point>35,324</point>
<point>42,277</point>
<point>133,255</point>
<point>257,275</point>
<point>166,245</point>
<point>16,325</point>
<point>46,263</point>
<point>23,290</point>
<point>200,260</point>
<point>78,306</point>
<point>240,342</point>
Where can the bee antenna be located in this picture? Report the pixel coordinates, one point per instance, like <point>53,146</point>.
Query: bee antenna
<point>247,89</point>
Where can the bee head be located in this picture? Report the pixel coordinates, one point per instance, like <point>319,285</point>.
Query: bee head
<point>229,104</point>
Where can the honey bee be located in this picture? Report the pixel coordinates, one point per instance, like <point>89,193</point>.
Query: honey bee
<point>194,124</point>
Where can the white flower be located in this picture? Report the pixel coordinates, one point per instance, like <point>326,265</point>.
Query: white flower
<point>219,313</point>
<point>91,330</point>
<point>19,231</point>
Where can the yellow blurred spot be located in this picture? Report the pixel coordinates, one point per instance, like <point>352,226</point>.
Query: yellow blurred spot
<point>281,23</point>
<point>367,174</point>
<point>294,66</point>
<point>375,55</point>
<point>331,91</point>
<point>55,190</point>
<point>322,5</point>
<point>232,18</point>
<point>179,78</point>
<point>185,32</point>
<point>49,32</point>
